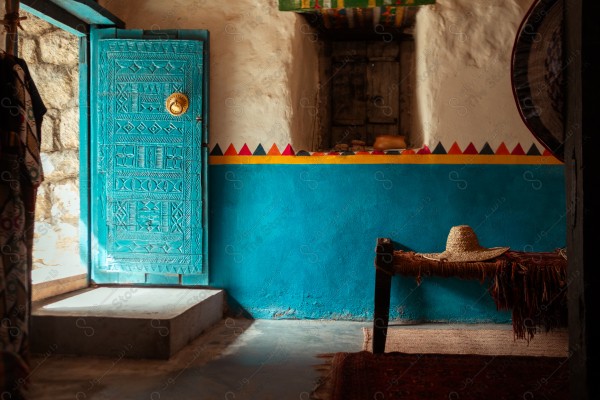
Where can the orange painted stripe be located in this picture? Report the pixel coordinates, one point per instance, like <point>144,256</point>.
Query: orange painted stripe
<point>389,159</point>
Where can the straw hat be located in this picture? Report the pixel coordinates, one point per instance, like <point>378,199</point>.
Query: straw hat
<point>462,245</point>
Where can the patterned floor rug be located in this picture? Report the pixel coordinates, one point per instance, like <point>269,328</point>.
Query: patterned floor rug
<point>365,376</point>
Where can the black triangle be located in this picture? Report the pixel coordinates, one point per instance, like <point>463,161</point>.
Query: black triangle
<point>260,151</point>
<point>439,149</point>
<point>486,149</point>
<point>216,151</point>
<point>533,151</point>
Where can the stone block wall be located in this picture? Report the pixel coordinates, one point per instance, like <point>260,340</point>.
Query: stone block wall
<point>52,56</point>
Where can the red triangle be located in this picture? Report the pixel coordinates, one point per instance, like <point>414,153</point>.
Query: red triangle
<point>377,152</point>
<point>318,153</point>
<point>288,151</point>
<point>274,151</point>
<point>502,150</point>
<point>408,152</point>
<point>424,150</point>
<point>454,149</point>
<point>518,150</point>
<point>547,153</point>
<point>333,153</point>
<point>231,151</point>
<point>362,152</point>
<point>470,149</point>
<point>245,151</point>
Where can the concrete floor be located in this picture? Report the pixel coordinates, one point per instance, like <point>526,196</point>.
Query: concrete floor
<point>237,359</point>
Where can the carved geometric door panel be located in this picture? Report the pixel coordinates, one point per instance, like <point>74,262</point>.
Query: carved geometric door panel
<point>148,166</point>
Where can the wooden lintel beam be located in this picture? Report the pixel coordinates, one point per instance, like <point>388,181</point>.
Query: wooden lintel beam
<point>58,16</point>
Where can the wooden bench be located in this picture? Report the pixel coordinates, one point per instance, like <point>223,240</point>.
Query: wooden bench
<point>532,285</point>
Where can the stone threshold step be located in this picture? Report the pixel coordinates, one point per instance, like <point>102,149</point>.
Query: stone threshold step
<point>51,281</point>
<point>128,322</point>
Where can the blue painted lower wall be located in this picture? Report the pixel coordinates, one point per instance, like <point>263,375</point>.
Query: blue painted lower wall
<point>298,241</point>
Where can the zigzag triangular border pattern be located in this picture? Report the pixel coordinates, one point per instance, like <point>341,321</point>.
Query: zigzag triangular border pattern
<point>439,149</point>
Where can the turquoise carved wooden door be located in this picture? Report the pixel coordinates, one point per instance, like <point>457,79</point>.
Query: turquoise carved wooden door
<point>148,156</point>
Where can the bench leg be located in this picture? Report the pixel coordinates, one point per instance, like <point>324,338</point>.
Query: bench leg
<point>383,284</point>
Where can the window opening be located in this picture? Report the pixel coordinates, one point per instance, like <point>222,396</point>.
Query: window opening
<point>52,55</point>
<point>367,76</point>
<point>371,93</point>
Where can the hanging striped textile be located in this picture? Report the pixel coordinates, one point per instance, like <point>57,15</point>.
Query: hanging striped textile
<point>320,5</point>
<point>21,113</point>
<point>349,18</point>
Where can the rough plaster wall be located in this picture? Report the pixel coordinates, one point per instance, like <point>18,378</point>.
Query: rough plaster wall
<point>463,72</point>
<point>52,57</point>
<point>264,70</point>
<point>261,65</point>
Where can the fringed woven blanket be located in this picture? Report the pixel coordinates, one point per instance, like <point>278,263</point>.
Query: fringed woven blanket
<point>532,285</point>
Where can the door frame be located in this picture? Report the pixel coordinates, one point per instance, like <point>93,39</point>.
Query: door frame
<point>76,17</point>
<point>80,18</point>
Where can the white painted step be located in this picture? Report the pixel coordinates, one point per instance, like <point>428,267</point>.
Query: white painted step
<point>130,322</point>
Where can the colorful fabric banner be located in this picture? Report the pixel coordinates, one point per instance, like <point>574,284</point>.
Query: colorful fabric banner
<point>320,5</point>
<point>348,18</point>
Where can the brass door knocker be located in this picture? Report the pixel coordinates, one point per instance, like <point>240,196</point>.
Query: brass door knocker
<point>177,104</point>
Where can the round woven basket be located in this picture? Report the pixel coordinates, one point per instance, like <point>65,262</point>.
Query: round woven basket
<point>537,74</point>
